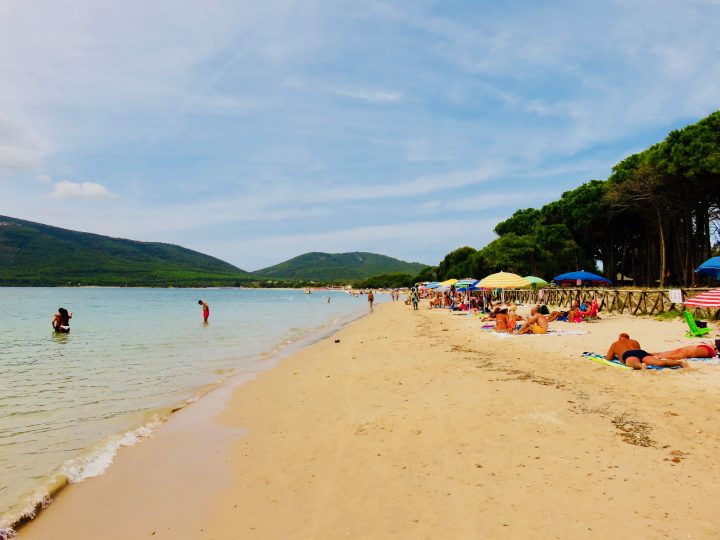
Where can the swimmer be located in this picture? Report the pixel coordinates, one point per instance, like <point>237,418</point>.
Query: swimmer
<point>61,321</point>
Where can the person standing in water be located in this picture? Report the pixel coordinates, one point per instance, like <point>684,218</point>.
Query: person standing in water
<point>371,299</point>
<point>61,321</point>
<point>206,310</point>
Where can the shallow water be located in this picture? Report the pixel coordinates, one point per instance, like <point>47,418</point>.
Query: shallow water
<point>68,402</point>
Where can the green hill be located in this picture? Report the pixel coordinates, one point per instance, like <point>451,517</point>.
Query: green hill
<point>317,266</point>
<point>36,254</point>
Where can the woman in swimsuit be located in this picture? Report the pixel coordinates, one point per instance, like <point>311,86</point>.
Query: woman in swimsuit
<point>501,321</point>
<point>701,350</point>
<point>61,321</point>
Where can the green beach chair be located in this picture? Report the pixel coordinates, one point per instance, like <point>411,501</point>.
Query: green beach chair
<point>694,330</point>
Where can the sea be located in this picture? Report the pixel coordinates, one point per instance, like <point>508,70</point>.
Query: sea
<point>69,402</point>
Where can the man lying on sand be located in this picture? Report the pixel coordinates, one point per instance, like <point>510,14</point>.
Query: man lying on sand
<point>701,350</point>
<point>629,351</point>
<point>536,323</point>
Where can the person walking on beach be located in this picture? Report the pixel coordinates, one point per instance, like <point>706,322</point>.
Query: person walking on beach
<point>631,354</point>
<point>371,299</point>
<point>61,321</point>
<point>206,310</point>
<point>415,299</point>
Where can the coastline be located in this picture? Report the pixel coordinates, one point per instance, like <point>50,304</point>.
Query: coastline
<point>97,459</point>
<point>420,424</point>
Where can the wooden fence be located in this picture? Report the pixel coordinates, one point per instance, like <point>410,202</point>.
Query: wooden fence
<point>632,301</point>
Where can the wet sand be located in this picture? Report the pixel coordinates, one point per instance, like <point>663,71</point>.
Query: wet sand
<point>422,425</point>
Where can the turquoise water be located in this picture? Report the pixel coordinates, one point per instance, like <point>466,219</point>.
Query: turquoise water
<point>68,402</point>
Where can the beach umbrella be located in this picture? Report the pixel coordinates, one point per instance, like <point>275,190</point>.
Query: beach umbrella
<point>465,284</point>
<point>705,300</point>
<point>449,282</point>
<point>502,280</point>
<point>534,280</point>
<point>583,276</point>
<point>711,267</point>
<point>432,285</point>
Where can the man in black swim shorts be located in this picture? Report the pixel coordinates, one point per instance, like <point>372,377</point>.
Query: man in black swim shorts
<point>634,356</point>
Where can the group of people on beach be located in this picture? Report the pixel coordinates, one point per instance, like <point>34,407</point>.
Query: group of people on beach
<point>507,320</point>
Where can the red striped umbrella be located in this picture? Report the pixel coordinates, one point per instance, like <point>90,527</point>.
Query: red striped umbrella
<point>706,299</point>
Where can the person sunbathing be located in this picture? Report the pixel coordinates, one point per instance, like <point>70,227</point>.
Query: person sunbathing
<point>491,316</point>
<point>700,350</point>
<point>632,355</point>
<point>536,323</point>
<point>561,316</point>
<point>501,321</point>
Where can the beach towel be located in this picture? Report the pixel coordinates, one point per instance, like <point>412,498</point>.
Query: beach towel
<point>599,358</point>
<point>549,333</point>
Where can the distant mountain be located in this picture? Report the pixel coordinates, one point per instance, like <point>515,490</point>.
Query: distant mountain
<point>36,254</point>
<point>317,266</point>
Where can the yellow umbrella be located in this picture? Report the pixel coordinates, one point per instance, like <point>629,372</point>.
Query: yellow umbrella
<point>449,282</point>
<point>503,280</point>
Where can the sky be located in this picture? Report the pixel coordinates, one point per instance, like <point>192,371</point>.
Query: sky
<point>257,131</point>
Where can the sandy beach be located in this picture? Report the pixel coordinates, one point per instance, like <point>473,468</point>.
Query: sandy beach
<point>419,424</point>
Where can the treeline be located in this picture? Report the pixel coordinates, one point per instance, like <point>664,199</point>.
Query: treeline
<point>655,219</point>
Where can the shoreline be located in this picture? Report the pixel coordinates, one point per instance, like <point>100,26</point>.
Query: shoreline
<point>103,454</point>
<point>418,424</point>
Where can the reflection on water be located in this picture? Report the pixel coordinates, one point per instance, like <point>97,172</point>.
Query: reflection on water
<point>68,401</point>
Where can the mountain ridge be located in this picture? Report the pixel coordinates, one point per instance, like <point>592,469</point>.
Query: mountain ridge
<point>37,254</point>
<point>354,265</point>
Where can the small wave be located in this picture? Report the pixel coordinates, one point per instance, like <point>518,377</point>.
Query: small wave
<point>89,465</point>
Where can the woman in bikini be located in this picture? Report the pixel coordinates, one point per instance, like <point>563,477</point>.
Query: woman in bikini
<point>700,350</point>
<point>61,321</point>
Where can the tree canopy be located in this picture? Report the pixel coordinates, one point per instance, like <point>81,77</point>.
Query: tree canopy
<point>655,219</point>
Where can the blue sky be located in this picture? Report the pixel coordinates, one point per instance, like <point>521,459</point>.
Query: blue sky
<point>257,131</point>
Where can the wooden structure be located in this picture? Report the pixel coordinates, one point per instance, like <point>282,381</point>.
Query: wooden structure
<point>632,301</point>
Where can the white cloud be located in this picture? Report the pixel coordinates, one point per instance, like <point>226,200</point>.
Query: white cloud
<point>80,190</point>
<point>368,95</point>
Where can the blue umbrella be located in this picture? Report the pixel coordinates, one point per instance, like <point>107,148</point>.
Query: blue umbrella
<point>711,267</point>
<point>465,286</point>
<point>582,275</point>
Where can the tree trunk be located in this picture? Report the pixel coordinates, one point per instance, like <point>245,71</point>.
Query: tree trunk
<point>663,252</point>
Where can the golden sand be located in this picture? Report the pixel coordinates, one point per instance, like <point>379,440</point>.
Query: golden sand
<point>422,425</point>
